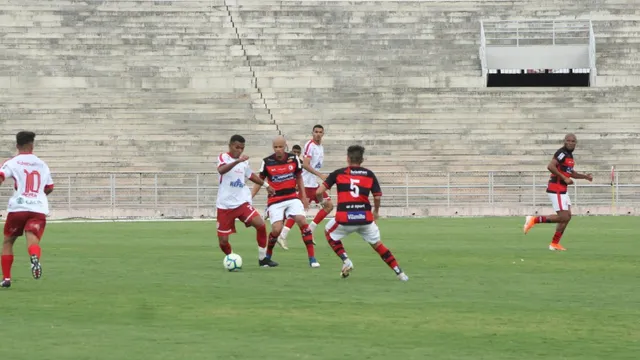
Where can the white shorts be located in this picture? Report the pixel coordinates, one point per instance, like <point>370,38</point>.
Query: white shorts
<point>285,209</point>
<point>370,232</point>
<point>560,201</point>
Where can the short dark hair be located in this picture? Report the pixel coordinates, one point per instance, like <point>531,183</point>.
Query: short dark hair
<point>237,138</point>
<point>355,154</point>
<point>317,126</point>
<point>296,147</point>
<point>25,137</point>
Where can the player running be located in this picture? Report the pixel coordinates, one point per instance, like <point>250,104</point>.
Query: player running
<point>234,201</point>
<point>562,171</point>
<point>312,163</point>
<point>28,207</point>
<point>354,184</point>
<point>283,171</point>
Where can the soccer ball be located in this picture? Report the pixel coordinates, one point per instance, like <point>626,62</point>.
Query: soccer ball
<point>232,262</point>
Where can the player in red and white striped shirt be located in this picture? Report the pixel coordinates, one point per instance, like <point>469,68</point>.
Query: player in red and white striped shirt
<point>28,207</point>
<point>355,214</point>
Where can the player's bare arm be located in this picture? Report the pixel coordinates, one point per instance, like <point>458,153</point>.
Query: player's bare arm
<point>303,196</point>
<point>376,206</point>
<point>261,183</point>
<point>319,193</point>
<point>255,190</point>
<point>553,168</point>
<point>579,176</point>
<point>306,164</point>
<point>223,169</point>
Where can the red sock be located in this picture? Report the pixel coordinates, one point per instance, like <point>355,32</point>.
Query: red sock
<point>320,216</point>
<point>261,236</point>
<point>225,247</point>
<point>289,223</point>
<point>556,237</point>
<point>7,262</point>
<point>273,239</point>
<point>35,250</point>
<point>541,219</point>
<point>337,247</point>
<point>388,258</point>
<point>307,238</point>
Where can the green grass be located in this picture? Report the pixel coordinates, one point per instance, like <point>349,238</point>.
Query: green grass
<point>479,289</point>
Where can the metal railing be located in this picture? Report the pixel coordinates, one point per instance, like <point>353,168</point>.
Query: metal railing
<point>139,190</point>
<point>536,32</point>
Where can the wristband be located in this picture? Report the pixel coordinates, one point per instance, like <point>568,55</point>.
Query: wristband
<point>265,185</point>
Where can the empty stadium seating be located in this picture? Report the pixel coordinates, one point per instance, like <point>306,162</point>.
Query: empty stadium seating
<point>160,86</point>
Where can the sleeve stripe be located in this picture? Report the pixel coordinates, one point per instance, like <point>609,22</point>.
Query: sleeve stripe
<point>2,177</point>
<point>47,187</point>
<point>377,194</point>
<point>307,148</point>
<point>221,160</point>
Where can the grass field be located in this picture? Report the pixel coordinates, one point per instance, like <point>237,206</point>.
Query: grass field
<point>479,289</point>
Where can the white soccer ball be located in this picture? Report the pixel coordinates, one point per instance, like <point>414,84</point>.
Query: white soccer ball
<point>232,262</point>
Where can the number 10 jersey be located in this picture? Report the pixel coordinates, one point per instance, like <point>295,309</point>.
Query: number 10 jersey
<point>31,176</point>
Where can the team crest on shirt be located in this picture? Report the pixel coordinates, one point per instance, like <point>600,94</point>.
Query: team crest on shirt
<point>290,167</point>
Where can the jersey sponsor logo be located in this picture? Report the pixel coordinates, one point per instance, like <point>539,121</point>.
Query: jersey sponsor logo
<point>26,163</point>
<point>359,172</point>
<point>355,206</point>
<point>356,215</point>
<point>283,177</point>
<point>236,184</point>
<point>19,201</point>
<point>318,166</point>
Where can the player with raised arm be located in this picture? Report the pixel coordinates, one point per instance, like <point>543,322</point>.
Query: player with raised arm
<point>354,184</point>
<point>28,207</point>
<point>234,202</point>
<point>562,172</point>
<point>283,171</point>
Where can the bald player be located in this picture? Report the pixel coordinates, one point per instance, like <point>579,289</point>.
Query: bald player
<point>283,171</point>
<point>562,171</point>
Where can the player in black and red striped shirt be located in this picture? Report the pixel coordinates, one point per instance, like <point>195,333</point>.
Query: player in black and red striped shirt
<point>284,172</point>
<point>562,168</point>
<point>354,213</point>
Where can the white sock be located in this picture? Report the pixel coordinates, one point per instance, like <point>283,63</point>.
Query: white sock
<point>262,253</point>
<point>284,232</point>
<point>312,226</point>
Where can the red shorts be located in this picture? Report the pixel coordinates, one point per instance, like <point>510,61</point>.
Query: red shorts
<point>226,218</point>
<point>19,222</point>
<point>311,195</point>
